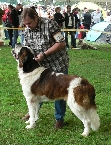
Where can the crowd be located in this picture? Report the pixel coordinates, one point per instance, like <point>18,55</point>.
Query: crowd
<point>11,17</point>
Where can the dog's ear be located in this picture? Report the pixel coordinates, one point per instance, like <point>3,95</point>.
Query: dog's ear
<point>26,60</point>
<point>27,63</point>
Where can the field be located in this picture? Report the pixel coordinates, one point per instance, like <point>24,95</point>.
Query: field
<point>95,65</point>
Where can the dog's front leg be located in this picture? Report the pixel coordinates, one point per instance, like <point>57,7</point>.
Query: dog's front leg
<point>32,105</point>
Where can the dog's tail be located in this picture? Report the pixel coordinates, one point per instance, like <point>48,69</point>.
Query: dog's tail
<point>94,119</point>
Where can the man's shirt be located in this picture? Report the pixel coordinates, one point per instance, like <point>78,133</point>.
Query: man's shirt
<point>46,34</point>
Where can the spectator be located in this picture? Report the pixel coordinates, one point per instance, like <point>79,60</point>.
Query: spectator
<point>108,17</point>
<point>9,24</point>
<point>96,16</point>
<point>87,19</point>
<point>58,17</point>
<point>4,16</point>
<point>69,24</point>
<point>1,13</point>
<point>76,22</point>
<point>21,32</point>
<point>82,15</point>
<point>44,37</point>
<point>50,13</point>
<point>15,22</point>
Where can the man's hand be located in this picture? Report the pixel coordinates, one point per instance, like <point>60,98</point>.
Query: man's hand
<point>39,57</point>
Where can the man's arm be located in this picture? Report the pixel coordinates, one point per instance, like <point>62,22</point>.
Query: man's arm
<point>56,47</point>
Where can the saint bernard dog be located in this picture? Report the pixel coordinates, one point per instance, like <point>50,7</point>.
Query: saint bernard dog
<point>40,84</point>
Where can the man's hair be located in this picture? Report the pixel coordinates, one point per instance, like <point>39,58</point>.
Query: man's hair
<point>19,4</point>
<point>29,12</point>
<point>57,8</point>
<point>10,6</point>
<point>68,6</point>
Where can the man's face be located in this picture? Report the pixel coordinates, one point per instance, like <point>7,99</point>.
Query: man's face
<point>30,23</point>
<point>69,9</point>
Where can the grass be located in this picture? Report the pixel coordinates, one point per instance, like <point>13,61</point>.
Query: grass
<point>95,65</point>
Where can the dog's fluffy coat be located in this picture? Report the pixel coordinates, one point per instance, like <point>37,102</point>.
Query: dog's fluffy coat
<point>41,84</point>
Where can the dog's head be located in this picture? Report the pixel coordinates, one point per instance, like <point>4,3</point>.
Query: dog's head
<point>25,58</point>
<point>16,50</point>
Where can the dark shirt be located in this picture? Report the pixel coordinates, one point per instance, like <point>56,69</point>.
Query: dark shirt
<point>76,20</point>
<point>67,20</point>
<point>15,17</point>
<point>1,13</point>
<point>42,38</point>
<point>87,18</point>
<point>59,19</point>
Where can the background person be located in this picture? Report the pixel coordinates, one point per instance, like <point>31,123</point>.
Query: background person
<point>9,24</point>
<point>96,16</point>
<point>86,21</point>
<point>15,22</point>
<point>4,16</point>
<point>1,13</point>
<point>69,24</point>
<point>76,23</point>
<point>58,17</point>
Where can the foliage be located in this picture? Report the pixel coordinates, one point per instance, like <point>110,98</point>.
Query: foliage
<point>10,1</point>
<point>95,65</point>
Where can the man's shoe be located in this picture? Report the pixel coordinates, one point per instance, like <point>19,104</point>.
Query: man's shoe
<point>59,124</point>
<point>26,117</point>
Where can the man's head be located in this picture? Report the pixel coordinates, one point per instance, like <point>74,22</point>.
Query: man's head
<point>97,10</point>
<point>30,18</point>
<point>57,9</point>
<point>19,6</point>
<point>68,9</point>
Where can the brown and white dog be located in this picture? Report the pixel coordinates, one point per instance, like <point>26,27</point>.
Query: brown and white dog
<point>40,84</point>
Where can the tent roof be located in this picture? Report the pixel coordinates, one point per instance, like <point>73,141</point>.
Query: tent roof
<point>93,34</point>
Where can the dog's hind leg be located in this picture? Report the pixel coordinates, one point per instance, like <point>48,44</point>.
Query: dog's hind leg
<point>80,112</point>
<point>94,118</point>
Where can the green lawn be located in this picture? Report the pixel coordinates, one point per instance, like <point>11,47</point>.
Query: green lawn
<point>95,65</point>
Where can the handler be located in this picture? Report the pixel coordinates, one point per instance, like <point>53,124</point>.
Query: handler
<point>44,37</point>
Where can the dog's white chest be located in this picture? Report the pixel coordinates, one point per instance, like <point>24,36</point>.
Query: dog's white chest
<point>27,79</point>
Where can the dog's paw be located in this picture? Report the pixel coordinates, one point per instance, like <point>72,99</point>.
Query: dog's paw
<point>30,126</point>
<point>27,122</point>
<point>85,134</point>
